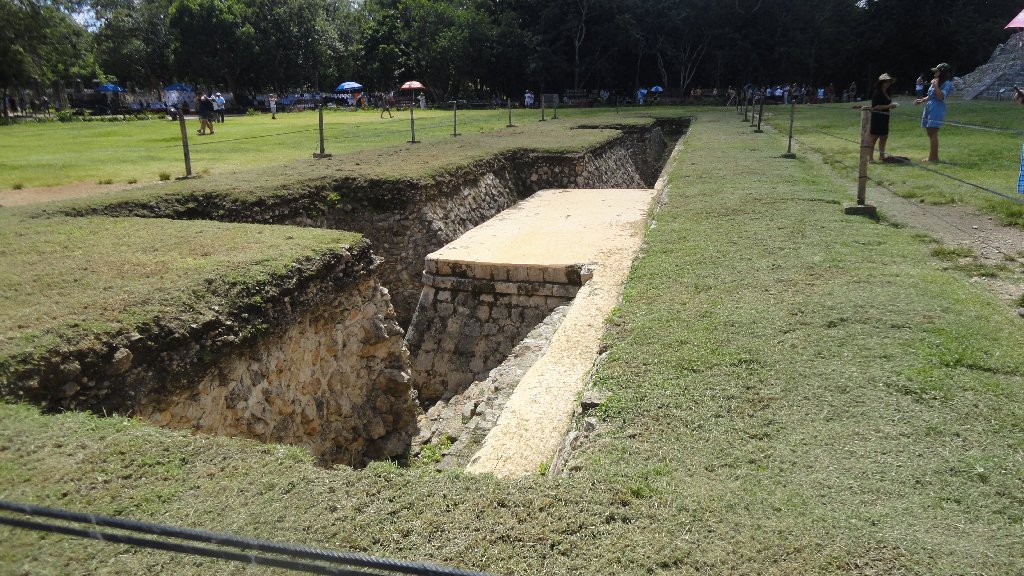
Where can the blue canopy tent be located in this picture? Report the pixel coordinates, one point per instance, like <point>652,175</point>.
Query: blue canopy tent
<point>111,88</point>
<point>657,89</point>
<point>348,87</point>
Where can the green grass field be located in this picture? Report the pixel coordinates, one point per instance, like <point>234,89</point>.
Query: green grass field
<point>793,391</point>
<point>981,144</point>
<point>71,281</point>
<point>33,155</point>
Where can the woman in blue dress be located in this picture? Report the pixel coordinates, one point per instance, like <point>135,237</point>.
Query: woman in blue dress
<point>935,107</point>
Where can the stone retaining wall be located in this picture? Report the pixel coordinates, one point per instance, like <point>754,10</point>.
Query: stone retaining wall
<point>447,208</point>
<point>469,318</point>
<point>335,380</point>
<point>315,357</point>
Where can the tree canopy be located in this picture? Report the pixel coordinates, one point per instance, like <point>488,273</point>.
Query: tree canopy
<point>466,48</point>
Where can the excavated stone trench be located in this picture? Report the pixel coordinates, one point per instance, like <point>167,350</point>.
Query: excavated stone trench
<point>329,369</point>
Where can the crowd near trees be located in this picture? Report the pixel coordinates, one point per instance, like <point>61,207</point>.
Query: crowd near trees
<point>469,48</point>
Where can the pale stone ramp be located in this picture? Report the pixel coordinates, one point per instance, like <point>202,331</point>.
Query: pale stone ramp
<point>554,230</point>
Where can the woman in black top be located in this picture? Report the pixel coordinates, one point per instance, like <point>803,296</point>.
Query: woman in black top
<point>881,104</point>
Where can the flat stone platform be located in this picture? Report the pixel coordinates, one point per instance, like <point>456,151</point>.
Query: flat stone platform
<point>546,238</point>
<point>594,234</point>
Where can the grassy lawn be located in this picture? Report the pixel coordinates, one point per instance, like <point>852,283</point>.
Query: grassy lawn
<point>987,154</point>
<point>34,155</point>
<point>69,281</point>
<point>793,391</point>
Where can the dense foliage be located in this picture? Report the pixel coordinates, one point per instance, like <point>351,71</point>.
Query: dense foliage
<point>472,48</point>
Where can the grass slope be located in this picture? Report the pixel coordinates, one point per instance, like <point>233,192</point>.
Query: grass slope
<point>981,143</point>
<point>69,280</point>
<point>793,391</point>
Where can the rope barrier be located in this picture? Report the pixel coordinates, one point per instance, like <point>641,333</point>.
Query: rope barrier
<point>933,171</point>
<point>945,122</point>
<point>937,215</point>
<point>220,539</point>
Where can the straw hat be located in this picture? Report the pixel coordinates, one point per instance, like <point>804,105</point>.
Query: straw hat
<point>885,77</point>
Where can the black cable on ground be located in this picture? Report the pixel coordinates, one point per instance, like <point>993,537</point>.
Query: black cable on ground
<point>221,539</point>
<point>180,548</point>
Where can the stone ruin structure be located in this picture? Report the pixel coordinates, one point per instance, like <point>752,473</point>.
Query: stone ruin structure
<point>995,79</point>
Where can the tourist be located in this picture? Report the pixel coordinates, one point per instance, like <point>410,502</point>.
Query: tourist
<point>919,86</point>
<point>731,93</point>
<point>389,102</point>
<point>218,106</point>
<point>935,107</point>
<point>881,104</point>
<point>423,101</point>
<point>273,106</point>
<point>205,108</point>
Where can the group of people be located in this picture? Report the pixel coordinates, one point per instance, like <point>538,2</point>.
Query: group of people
<point>799,93</point>
<point>932,118</point>
<point>210,109</point>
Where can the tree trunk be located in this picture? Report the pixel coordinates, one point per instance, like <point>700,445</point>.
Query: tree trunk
<point>662,70</point>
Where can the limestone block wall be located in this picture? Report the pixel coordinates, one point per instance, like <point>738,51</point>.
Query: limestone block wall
<point>431,216</point>
<point>470,317</point>
<point>335,380</point>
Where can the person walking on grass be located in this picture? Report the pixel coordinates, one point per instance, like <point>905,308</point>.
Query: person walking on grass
<point>389,102</point>
<point>273,106</point>
<point>935,107</point>
<point>881,106</point>
<point>205,108</point>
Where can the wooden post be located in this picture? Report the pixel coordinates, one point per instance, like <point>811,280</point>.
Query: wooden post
<point>184,142</point>
<point>542,118</point>
<point>862,208</point>
<point>412,123</point>
<point>865,153</point>
<point>746,95</point>
<point>792,115</point>
<point>555,116</point>
<point>510,124</point>
<point>322,154</point>
<point>455,118</point>
<point>760,115</point>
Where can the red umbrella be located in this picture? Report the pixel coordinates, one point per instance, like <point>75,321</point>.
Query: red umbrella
<point>1017,22</point>
<point>412,85</point>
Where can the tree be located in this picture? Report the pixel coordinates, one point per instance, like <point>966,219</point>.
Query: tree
<point>213,41</point>
<point>133,42</point>
<point>40,42</point>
